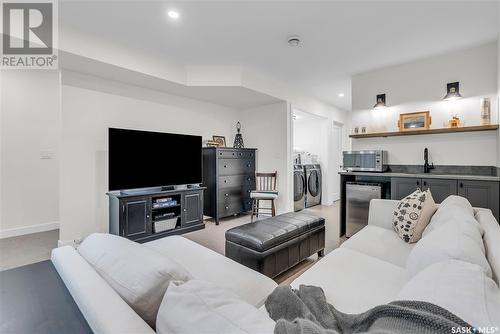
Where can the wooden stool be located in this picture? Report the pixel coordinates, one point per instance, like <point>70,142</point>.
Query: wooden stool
<point>266,191</point>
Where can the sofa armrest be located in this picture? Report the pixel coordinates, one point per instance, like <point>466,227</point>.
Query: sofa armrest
<point>104,310</point>
<point>381,212</point>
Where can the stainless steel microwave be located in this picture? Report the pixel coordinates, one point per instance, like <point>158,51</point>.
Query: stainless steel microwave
<point>365,161</point>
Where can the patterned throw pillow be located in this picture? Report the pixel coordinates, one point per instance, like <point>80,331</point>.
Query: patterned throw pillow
<point>412,215</point>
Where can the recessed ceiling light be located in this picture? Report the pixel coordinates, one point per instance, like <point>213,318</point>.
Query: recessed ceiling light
<point>173,14</point>
<point>341,94</point>
<point>294,41</point>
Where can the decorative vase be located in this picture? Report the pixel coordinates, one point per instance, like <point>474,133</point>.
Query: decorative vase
<point>485,111</point>
<point>238,140</point>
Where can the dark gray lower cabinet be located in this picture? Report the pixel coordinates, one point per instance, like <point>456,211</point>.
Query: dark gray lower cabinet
<point>192,212</point>
<point>403,186</point>
<point>482,194</point>
<point>136,217</point>
<point>440,188</point>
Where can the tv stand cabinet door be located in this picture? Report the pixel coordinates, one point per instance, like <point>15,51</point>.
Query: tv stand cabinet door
<point>192,208</point>
<point>136,218</point>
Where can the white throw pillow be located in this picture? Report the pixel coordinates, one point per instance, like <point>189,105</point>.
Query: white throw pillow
<point>452,208</point>
<point>202,307</point>
<point>461,288</point>
<point>455,240</point>
<point>412,215</point>
<point>138,274</point>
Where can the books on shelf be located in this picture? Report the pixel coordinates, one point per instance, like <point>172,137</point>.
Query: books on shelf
<point>162,203</point>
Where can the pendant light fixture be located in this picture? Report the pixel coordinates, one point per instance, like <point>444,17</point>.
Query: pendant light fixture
<point>380,102</point>
<point>452,91</point>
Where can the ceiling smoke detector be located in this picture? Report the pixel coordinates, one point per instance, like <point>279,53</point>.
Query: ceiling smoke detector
<point>294,41</point>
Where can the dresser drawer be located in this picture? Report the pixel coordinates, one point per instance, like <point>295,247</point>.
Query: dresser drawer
<point>234,205</point>
<point>229,181</point>
<point>236,193</point>
<point>236,166</point>
<point>234,154</point>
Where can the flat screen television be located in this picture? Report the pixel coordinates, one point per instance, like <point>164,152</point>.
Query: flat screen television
<point>142,159</point>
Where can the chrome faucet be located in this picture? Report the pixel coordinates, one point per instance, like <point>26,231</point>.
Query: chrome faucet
<point>427,167</point>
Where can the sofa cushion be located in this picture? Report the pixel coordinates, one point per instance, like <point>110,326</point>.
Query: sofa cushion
<point>103,309</point>
<point>205,264</point>
<point>412,215</point>
<point>452,208</point>
<point>268,233</point>
<point>455,240</point>
<point>354,282</point>
<point>199,306</point>
<point>461,288</point>
<point>381,243</point>
<point>491,240</point>
<point>139,275</point>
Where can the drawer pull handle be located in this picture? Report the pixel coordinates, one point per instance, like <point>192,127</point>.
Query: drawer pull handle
<point>249,165</point>
<point>227,195</point>
<point>233,153</point>
<point>240,154</point>
<point>225,166</point>
<point>248,179</point>
<point>227,207</point>
<point>220,153</point>
<point>225,181</point>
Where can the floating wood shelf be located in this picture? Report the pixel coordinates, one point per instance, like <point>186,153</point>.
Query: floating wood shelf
<point>426,132</point>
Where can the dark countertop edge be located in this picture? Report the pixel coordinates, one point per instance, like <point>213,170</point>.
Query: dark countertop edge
<point>119,194</point>
<point>423,175</point>
<point>230,148</point>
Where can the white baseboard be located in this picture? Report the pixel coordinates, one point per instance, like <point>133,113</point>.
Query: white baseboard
<point>15,232</point>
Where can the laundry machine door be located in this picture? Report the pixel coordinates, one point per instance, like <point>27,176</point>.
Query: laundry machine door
<point>313,184</point>
<point>299,185</point>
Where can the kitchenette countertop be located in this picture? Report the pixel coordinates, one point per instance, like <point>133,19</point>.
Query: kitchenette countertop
<point>425,175</point>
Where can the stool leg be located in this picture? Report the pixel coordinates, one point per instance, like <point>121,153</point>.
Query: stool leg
<point>253,210</point>
<point>273,206</point>
<point>321,253</point>
<point>257,209</point>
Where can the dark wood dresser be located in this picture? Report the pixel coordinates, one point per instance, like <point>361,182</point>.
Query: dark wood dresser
<point>229,177</point>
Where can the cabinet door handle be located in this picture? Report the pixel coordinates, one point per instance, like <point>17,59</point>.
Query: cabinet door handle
<point>248,178</point>
<point>225,166</point>
<point>227,195</point>
<point>425,183</point>
<point>184,210</point>
<point>418,183</point>
<point>227,207</point>
<point>240,154</point>
<point>461,185</point>
<point>249,165</point>
<point>225,181</point>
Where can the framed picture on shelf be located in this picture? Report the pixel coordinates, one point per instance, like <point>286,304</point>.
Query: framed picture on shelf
<point>212,143</point>
<point>420,120</point>
<point>221,140</point>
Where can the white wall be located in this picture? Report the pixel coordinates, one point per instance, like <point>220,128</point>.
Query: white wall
<point>91,105</point>
<point>311,134</point>
<point>420,86</point>
<point>266,128</point>
<point>29,129</point>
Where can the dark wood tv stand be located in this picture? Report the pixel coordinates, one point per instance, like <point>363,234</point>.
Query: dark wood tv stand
<point>132,214</point>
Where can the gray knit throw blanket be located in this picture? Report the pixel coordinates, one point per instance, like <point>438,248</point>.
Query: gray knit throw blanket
<point>305,311</point>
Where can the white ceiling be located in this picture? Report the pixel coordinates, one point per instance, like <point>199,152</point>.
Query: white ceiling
<point>340,38</point>
<point>231,96</point>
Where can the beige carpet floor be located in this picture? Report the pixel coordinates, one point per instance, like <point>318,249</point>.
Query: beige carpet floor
<point>36,247</point>
<point>213,237</point>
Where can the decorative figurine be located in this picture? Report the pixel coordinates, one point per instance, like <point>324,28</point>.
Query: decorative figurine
<point>238,140</point>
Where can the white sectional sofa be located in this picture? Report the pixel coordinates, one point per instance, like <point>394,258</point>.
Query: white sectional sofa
<point>369,269</point>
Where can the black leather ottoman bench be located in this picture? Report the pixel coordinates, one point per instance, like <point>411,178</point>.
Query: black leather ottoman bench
<point>276,244</point>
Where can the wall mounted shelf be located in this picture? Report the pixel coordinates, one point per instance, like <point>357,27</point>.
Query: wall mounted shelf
<point>426,132</point>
